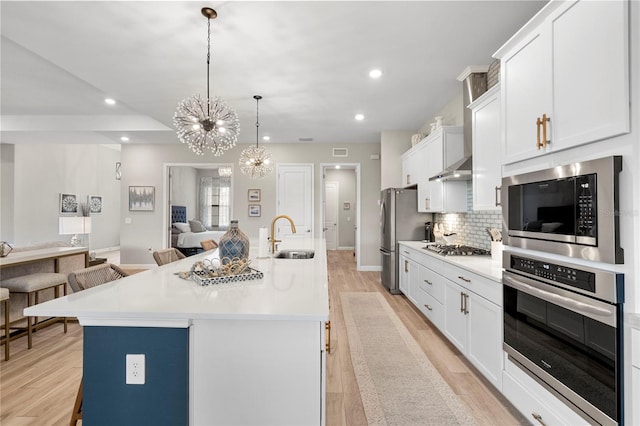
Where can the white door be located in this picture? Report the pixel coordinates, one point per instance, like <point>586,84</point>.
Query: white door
<point>331,191</point>
<point>294,199</point>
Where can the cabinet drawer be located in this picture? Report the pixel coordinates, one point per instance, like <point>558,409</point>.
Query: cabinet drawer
<point>432,284</point>
<point>531,399</point>
<point>409,252</point>
<point>489,289</point>
<point>431,308</point>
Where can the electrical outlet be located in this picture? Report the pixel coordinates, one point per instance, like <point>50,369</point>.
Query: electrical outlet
<point>135,369</point>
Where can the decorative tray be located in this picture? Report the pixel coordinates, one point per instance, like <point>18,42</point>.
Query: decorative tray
<point>203,279</point>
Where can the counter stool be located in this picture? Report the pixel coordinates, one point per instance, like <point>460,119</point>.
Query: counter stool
<point>33,284</point>
<point>4,298</point>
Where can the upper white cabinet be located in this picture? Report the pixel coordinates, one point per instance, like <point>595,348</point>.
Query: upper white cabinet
<point>487,165</point>
<point>565,78</point>
<point>444,146</point>
<point>412,163</point>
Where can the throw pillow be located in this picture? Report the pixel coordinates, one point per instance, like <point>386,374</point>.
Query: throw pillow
<point>196,226</point>
<point>182,226</point>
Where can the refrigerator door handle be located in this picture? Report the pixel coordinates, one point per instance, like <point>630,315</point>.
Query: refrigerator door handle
<point>385,253</point>
<point>383,218</point>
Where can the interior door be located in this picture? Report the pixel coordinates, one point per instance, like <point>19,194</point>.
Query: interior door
<point>295,199</point>
<point>331,230</point>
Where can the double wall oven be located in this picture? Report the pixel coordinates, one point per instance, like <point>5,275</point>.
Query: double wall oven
<point>563,318</point>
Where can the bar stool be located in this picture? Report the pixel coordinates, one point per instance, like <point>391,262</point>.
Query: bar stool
<point>4,298</point>
<point>33,284</point>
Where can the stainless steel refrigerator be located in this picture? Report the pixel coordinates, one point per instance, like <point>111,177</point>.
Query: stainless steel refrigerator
<point>399,221</point>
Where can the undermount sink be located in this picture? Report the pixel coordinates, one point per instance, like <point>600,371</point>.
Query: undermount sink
<point>295,254</point>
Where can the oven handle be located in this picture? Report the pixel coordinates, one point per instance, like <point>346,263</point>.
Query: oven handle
<point>605,314</point>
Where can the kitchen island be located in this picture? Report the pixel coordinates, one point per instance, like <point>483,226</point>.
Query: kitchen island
<point>247,352</point>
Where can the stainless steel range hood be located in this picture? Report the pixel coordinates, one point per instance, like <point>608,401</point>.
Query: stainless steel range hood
<point>474,84</point>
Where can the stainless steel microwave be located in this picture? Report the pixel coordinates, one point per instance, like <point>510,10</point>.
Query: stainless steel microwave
<point>572,210</point>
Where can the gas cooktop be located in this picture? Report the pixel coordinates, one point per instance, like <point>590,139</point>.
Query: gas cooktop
<point>456,250</point>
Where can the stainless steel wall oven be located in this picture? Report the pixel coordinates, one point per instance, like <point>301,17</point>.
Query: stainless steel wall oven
<point>563,326</point>
<point>570,210</point>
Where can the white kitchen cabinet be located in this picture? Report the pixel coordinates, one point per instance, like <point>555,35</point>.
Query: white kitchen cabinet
<point>444,146</point>
<point>487,142</point>
<point>566,74</point>
<point>473,320</point>
<point>635,374</point>
<point>404,274</point>
<point>411,165</point>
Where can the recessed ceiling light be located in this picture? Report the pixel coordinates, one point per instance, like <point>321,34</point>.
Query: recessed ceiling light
<point>359,117</point>
<point>110,101</point>
<point>375,73</point>
<point>124,138</point>
<point>337,166</point>
<point>266,138</point>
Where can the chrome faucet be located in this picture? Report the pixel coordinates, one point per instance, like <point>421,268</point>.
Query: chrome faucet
<point>273,227</point>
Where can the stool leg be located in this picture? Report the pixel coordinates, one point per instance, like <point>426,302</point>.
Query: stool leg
<point>77,407</point>
<point>7,330</point>
<point>29,324</point>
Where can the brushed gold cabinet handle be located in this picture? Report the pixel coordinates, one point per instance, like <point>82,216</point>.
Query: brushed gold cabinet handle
<point>406,266</point>
<point>327,344</point>
<point>464,279</point>
<point>545,120</point>
<point>538,417</point>
<point>428,282</point>
<point>428,307</point>
<point>461,302</point>
<point>538,123</point>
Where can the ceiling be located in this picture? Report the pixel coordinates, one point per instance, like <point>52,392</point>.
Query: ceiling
<point>309,60</point>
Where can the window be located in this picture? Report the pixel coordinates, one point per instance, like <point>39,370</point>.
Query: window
<point>215,201</point>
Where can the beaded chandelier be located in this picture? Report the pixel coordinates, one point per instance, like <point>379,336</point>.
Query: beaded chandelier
<point>255,162</point>
<point>206,124</point>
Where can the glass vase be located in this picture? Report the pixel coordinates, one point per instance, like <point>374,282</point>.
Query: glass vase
<point>234,245</point>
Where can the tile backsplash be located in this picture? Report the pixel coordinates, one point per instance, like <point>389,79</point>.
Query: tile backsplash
<point>471,226</point>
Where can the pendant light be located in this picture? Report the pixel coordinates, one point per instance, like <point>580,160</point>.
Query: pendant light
<point>255,162</point>
<point>206,125</point>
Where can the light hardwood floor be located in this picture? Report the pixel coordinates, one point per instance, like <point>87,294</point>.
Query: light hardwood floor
<point>38,386</point>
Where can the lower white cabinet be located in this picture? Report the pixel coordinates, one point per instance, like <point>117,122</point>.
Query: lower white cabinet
<point>464,306</point>
<point>404,269</point>
<point>635,375</point>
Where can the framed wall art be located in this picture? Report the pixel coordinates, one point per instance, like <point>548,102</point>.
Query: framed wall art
<point>142,198</point>
<point>95,204</point>
<point>254,210</point>
<point>254,195</point>
<point>68,203</point>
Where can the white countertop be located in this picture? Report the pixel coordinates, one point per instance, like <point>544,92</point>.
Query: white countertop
<point>292,289</point>
<point>33,255</point>
<point>481,265</point>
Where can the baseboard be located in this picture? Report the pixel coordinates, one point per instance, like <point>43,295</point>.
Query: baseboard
<point>370,268</point>
<point>346,248</point>
<point>104,250</point>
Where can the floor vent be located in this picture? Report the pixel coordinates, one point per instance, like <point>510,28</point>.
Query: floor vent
<point>340,152</point>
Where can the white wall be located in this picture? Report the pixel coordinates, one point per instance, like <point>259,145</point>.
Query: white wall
<point>452,114</point>
<point>145,164</point>
<point>185,189</point>
<point>41,172</point>
<point>7,161</point>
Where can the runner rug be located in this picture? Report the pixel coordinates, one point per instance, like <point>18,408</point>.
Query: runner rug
<point>398,384</point>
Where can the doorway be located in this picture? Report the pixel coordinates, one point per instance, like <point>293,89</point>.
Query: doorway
<point>294,198</point>
<point>205,195</point>
<point>342,202</point>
